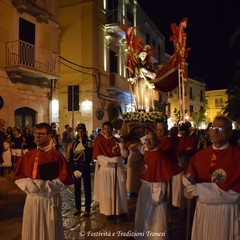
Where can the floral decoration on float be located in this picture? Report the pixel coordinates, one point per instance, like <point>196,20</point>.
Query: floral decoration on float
<point>143,117</point>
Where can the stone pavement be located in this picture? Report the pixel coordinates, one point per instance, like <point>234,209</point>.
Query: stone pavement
<point>94,227</point>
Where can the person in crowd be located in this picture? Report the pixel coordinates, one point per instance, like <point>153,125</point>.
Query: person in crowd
<point>168,146</point>
<point>7,157</point>
<point>93,135</point>
<point>187,146</point>
<point>80,159</point>
<point>99,131</point>
<point>2,138</point>
<point>173,134</point>
<point>42,173</point>
<point>165,143</point>
<point>151,207</point>
<point>9,131</point>
<point>213,177</point>
<point>109,155</point>
<point>28,142</point>
<point>17,142</point>
<point>67,139</point>
<point>134,161</point>
<point>56,139</point>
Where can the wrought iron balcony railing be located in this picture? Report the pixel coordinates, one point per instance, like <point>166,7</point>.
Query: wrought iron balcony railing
<point>20,53</point>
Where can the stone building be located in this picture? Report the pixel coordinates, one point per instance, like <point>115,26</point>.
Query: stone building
<point>92,58</point>
<point>28,60</point>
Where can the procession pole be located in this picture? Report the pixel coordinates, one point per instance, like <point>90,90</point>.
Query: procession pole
<point>115,195</point>
<point>179,95</point>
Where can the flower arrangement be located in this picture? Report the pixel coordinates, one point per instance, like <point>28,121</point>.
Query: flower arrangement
<point>143,116</point>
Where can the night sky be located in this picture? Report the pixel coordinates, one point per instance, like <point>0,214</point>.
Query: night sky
<point>213,34</point>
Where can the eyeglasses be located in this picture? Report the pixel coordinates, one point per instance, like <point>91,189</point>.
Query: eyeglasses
<point>149,139</point>
<point>39,134</point>
<point>220,129</point>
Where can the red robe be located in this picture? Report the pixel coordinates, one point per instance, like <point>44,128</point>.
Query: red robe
<point>168,148</point>
<point>24,167</point>
<point>156,168</point>
<point>186,143</point>
<point>227,159</point>
<point>104,146</point>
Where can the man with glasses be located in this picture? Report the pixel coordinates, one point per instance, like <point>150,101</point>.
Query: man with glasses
<point>213,176</point>
<point>155,171</point>
<point>42,174</point>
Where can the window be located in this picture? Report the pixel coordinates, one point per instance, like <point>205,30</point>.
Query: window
<point>190,93</point>
<point>218,101</point>
<point>201,95</point>
<point>113,67</point>
<point>147,38</point>
<point>27,42</point>
<point>191,109</point>
<point>130,17</point>
<point>206,101</point>
<point>153,43</point>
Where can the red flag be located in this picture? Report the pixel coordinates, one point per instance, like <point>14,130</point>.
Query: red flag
<point>167,76</point>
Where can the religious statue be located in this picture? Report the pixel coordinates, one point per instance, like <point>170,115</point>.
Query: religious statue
<point>143,72</point>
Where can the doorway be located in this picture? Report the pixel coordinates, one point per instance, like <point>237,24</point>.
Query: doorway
<point>24,117</point>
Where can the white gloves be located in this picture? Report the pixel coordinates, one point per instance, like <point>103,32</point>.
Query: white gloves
<point>105,161</point>
<point>114,160</point>
<point>77,174</point>
<point>190,189</point>
<point>31,187</point>
<point>55,186</point>
<point>40,187</point>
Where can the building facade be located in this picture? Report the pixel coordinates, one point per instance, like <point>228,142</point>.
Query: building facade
<point>194,101</point>
<point>28,60</point>
<point>215,101</point>
<point>65,61</point>
<point>92,58</point>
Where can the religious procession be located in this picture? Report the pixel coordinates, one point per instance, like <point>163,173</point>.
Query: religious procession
<point>163,169</point>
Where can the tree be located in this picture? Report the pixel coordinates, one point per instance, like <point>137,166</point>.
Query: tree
<point>198,117</point>
<point>232,109</point>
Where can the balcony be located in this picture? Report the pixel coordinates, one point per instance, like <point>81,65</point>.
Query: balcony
<point>25,62</point>
<point>114,18</point>
<point>37,8</point>
<point>119,88</point>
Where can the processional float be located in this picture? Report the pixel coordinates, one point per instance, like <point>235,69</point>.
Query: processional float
<point>171,75</point>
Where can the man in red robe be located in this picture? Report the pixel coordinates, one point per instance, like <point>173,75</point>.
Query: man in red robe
<point>109,153</point>
<point>42,173</point>
<point>213,176</point>
<point>151,208</point>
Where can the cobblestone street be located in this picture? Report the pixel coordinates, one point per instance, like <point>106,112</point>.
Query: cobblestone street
<point>94,227</point>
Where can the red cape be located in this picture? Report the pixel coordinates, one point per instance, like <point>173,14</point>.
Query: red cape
<point>156,168</point>
<point>25,164</point>
<point>227,159</point>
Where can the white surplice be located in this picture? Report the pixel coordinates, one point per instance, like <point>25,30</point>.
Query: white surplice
<point>104,186</point>
<point>151,212</point>
<point>216,214</point>
<point>42,210</point>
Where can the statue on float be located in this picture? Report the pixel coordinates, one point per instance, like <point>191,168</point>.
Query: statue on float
<point>140,69</point>
<point>143,72</point>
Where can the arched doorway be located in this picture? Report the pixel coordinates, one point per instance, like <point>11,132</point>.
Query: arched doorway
<point>114,111</point>
<point>24,117</point>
